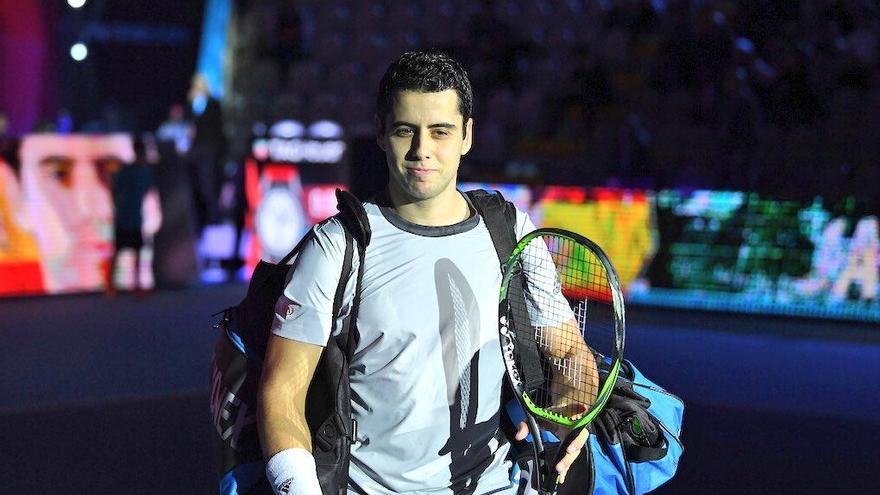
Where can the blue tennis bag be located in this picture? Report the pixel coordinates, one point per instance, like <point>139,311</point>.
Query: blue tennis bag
<point>634,445</point>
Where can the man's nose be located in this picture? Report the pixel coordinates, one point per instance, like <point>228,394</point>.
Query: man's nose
<point>421,148</point>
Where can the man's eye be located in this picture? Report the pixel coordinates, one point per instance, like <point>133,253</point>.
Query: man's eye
<point>61,168</point>
<point>441,133</point>
<point>403,132</point>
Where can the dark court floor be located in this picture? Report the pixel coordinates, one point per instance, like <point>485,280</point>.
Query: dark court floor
<point>110,396</point>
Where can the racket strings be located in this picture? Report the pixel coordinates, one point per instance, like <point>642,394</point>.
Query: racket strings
<point>568,310</point>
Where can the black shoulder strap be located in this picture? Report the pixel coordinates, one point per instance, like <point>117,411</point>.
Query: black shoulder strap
<point>357,225</point>
<point>340,287</point>
<point>499,215</point>
<point>329,401</point>
<point>500,218</point>
<point>354,217</point>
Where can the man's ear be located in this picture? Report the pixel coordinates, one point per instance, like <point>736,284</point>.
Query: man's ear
<point>468,136</point>
<point>380,131</point>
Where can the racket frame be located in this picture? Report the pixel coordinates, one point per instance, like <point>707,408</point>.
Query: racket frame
<point>508,347</point>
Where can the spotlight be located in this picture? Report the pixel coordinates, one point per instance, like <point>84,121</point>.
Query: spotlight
<point>76,3</point>
<point>79,52</point>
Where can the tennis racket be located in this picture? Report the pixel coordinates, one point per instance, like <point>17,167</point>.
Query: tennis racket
<point>561,319</point>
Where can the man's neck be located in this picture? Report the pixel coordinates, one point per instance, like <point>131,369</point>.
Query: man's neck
<point>448,208</point>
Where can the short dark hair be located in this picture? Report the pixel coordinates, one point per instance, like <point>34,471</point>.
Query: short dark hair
<point>426,71</point>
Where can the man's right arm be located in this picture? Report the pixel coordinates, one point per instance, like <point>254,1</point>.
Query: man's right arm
<point>304,316</point>
<point>281,419</point>
<point>287,372</point>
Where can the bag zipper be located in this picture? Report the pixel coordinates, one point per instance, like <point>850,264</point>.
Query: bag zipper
<point>674,436</point>
<point>658,390</point>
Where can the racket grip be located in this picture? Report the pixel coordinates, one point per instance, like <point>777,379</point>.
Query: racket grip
<point>550,477</point>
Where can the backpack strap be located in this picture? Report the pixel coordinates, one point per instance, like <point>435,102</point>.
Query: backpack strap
<point>328,407</point>
<point>354,218</point>
<point>340,287</point>
<point>357,225</point>
<point>500,218</point>
<point>499,215</point>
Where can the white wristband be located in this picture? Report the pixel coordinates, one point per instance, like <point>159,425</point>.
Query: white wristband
<point>293,472</point>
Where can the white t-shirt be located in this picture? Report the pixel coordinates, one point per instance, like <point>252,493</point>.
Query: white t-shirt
<point>427,372</point>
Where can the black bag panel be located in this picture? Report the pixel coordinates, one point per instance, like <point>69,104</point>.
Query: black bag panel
<point>257,309</point>
<point>579,479</point>
<point>234,383</point>
<point>329,419</point>
<point>235,376</point>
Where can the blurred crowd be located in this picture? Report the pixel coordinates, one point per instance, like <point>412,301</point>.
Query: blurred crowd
<point>772,96</point>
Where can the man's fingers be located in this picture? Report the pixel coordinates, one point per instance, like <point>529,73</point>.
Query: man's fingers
<point>578,443</point>
<point>571,453</point>
<point>523,431</point>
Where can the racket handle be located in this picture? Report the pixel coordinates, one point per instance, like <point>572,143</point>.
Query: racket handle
<point>551,484</point>
<point>550,477</point>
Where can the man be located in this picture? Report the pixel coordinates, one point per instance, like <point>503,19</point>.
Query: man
<point>206,150</point>
<point>64,186</point>
<point>134,192</point>
<point>175,130</point>
<point>427,372</point>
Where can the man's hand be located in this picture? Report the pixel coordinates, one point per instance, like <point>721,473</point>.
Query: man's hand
<point>571,453</point>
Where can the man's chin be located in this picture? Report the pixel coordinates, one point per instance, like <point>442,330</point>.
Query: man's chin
<point>421,191</point>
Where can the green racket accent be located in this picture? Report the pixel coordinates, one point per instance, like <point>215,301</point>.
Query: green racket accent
<point>588,418</point>
<point>605,293</point>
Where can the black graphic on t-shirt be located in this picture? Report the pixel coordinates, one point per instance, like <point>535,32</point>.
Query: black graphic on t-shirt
<point>468,444</point>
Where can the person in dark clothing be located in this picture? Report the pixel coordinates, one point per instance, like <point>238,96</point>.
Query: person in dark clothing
<point>206,151</point>
<point>130,186</point>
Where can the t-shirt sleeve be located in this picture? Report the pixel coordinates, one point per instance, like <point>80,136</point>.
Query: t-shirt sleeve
<point>546,304</point>
<point>524,224</point>
<point>304,312</point>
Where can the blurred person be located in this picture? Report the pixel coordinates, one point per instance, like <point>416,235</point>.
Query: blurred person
<point>65,186</point>
<point>204,159</point>
<point>134,194</point>
<point>176,129</point>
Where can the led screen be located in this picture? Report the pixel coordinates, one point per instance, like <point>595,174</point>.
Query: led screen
<point>742,252</point>
<point>56,215</point>
<point>723,250</point>
<point>717,250</point>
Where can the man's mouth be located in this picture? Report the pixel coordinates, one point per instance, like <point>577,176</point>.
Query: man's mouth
<point>419,172</point>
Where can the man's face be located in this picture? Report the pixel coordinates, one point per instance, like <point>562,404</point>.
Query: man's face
<point>65,188</point>
<point>424,139</point>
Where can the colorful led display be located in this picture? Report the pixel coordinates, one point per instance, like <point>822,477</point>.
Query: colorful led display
<point>56,215</point>
<point>722,250</point>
